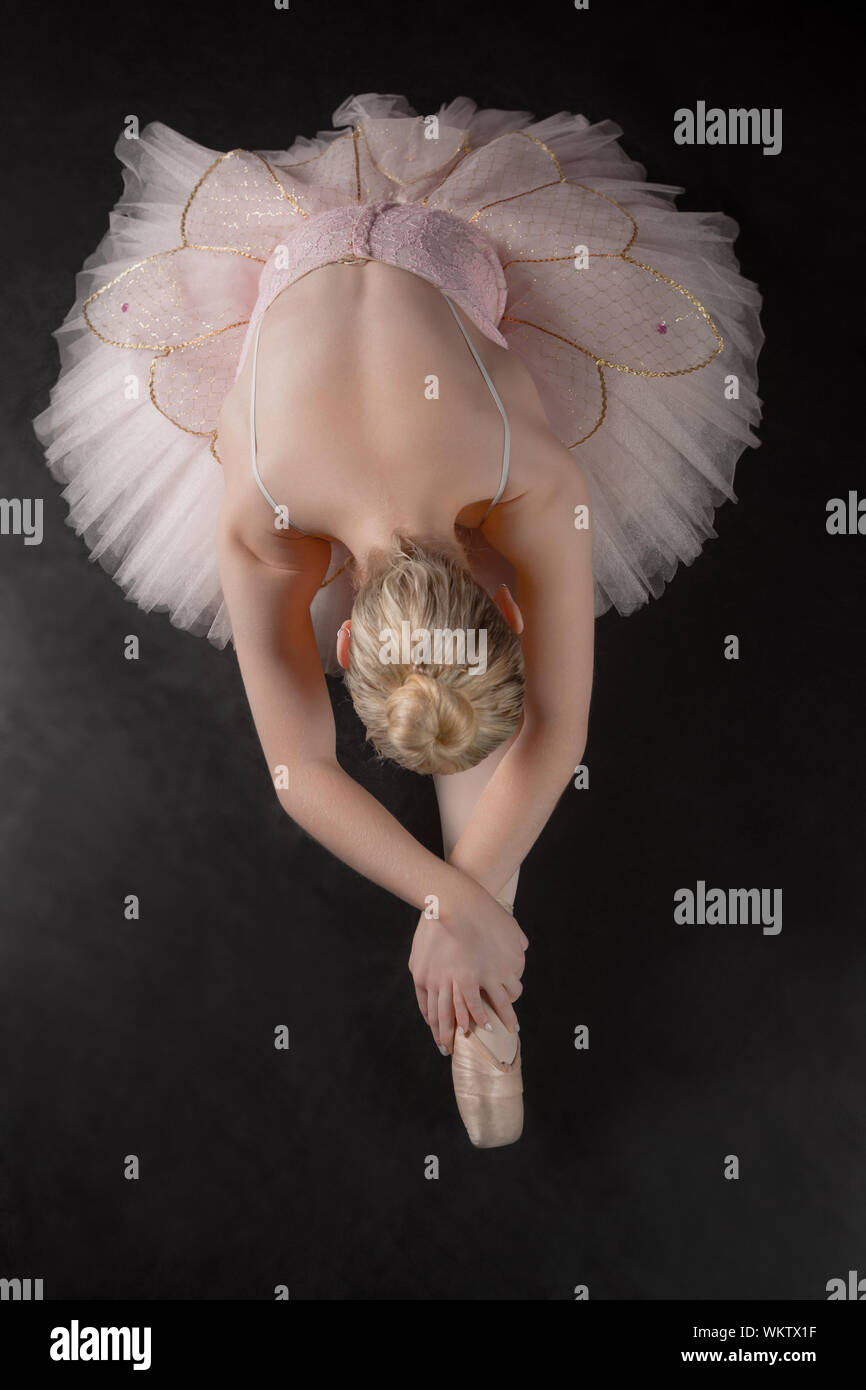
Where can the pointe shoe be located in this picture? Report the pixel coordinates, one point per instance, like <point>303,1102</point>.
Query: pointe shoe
<point>489,1092</point>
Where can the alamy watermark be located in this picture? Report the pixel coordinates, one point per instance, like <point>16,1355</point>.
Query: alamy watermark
<point>705,906</point>
<point>846,516</point>
<point>76,1343</point>
<point>22,516</point>
<point>438,646</point>
<point>736,126</point>
<point>21,1290</point>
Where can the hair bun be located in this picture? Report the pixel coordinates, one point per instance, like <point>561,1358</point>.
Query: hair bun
<point>430,722</point>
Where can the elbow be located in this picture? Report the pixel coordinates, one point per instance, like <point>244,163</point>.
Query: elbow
<point>282,783</point>
<point>556,744</point>
<point>302,784</point>
<point>579,743</point>
<point>573,761</point>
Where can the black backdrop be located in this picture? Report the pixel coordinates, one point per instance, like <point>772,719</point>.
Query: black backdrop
<point>306,1167</point>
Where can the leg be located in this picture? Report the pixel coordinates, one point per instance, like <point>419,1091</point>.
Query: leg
<point>458,794</point>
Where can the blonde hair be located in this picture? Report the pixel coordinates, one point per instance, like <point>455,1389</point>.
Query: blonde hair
<point>431,716</point>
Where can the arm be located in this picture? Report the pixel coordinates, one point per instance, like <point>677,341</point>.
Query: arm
<point>552,560</point>
<point>286,689</point>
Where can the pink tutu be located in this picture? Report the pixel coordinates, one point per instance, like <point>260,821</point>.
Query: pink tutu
<point>640,333</point>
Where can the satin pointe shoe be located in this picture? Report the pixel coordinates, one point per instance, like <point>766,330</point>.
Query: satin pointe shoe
<point>489,1092</point>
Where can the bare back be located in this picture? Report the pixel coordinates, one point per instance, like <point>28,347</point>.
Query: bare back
<point>369,404</point>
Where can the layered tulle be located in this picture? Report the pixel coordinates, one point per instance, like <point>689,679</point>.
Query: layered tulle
<point>640,333</point>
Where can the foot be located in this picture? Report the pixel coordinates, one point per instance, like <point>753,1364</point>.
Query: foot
<point>489,1093</point>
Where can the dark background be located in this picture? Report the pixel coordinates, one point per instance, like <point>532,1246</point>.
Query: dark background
<point>156,1037</point>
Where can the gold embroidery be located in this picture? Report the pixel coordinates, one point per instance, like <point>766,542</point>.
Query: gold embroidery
<point>535,140</point>
<point>683,371</point>
<point>619,255</point>
<point>530,260</point>
<point>159,347</point>
<point>290,197</point>
<point>560,179</point>
<point>419,178</point>
<point>151,391</point>
<point>510,318</point>
<point>230,155</point>
<point>164,349</point>
<point>186,245</point>
<point>629,260</point>
<point>467,150</point>
<point>625,212</point>
<point>511,197</point>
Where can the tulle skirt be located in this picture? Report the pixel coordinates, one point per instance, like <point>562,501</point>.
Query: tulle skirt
<point>640,333</point>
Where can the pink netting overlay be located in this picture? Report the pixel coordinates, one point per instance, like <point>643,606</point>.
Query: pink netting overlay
<point>631,316</point>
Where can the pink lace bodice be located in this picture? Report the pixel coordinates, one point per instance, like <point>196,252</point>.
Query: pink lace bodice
<point>436,245</point>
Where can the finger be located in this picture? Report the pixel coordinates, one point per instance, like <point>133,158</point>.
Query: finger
<point>474,1002</point>
<point>433,1014</point>
<point>461,1012</point>
<point>446,1019</point>
<point>513,987</point>
<point>424,1005</point>
<point>524,941</point>
<point>421,996</point>
<point>498,997</point>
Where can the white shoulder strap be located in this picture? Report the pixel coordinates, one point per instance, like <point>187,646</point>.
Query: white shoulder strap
<point>506,448</point>
<point>256,474</point>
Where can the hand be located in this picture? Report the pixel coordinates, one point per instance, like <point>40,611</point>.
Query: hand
<point>476,946</point>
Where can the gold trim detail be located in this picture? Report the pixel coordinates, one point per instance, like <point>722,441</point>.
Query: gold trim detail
<point>511,318</point>
<point>463,147</point>
<point>619,366</point>
<point>229,154</point>
<point>622,255</point>
<point>162,348</point>
<point>554,183</point>
<point>535,140</point>
<point>681,371</point>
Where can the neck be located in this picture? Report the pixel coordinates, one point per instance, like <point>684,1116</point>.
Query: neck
<point>373,536</point>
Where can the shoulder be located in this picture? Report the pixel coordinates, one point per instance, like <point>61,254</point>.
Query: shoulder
<point>252,553</point>
<point>247,529</point>
<point>553,503</point>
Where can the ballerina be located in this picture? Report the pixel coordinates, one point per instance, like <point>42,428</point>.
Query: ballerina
<point>425,395</point>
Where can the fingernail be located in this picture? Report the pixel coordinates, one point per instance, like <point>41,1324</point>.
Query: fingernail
<point>462,1032</point>
<point>517,1027</point>
<point>489,1027</point>
<point>443,1050</point>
